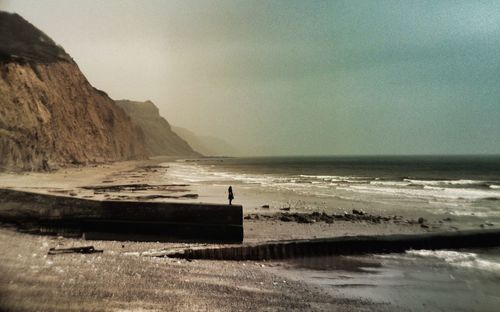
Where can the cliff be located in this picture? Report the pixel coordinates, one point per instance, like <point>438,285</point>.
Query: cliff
<point>50,115</point>
<point>159,137</point>
<point>207,145</point>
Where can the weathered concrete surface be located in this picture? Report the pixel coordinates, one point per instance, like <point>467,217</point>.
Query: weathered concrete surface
<point>346,245</point>
<point>123,220</point>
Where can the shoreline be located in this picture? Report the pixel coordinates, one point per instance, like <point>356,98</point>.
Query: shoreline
<point>262,222</point>
<point>202,284</point>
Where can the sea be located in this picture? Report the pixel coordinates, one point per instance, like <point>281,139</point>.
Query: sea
<point>465,188</point>
<point>454,185</point>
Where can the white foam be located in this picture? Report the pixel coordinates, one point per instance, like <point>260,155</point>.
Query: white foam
<point>426,192</point>
<point>444,182</point>
<point>390,183</point>
<point>440,193</point>
<point>474,212</point>
<point>460,259</point>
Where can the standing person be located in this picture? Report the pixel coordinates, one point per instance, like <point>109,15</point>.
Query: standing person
<point>230,195</point>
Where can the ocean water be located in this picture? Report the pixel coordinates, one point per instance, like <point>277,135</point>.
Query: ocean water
<point>418,280</point>
<point>465,188</point>
<point>448,185</point>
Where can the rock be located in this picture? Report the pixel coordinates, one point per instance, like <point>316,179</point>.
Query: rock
<point>357,212</point>
<point>425,226</point>
<point>447,219</point>
<point>302,219</point>
<point>421,220</point>
<point>285,209</point>
<point>265,206</point>
<point>190,196</point>
<point>286,218</point>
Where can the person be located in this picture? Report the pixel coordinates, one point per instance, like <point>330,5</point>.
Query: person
<point>230,195</point>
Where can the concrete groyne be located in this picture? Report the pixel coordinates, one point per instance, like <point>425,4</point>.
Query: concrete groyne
<point>346,245</point>
<point>122,220</point>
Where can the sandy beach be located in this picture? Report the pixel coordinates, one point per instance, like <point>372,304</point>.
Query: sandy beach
<point>126,278</point>
<point>121,279</point>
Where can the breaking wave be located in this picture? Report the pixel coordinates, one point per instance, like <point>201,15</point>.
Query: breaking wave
<point>449,192</point>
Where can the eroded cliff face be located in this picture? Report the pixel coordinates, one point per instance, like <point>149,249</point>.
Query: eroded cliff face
<point>160,139</point>
<point>50,115</point>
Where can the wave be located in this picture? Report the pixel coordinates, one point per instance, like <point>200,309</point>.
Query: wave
<point>447,182</point>
<point>391,183</point>
<point>333,178</point>
<point>335,185</point>
<point>426,192</point>
<point>459,259</point>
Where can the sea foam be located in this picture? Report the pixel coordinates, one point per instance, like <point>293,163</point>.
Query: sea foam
<point>459,259</point>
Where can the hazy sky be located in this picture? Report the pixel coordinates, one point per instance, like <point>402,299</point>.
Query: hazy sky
<point>297,77</point>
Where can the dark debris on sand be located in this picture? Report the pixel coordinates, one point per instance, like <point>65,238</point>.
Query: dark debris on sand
<point>355,216</point>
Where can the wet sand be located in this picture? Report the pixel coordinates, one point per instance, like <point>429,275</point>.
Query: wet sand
<point>404,281</point>
<point>126,278</point>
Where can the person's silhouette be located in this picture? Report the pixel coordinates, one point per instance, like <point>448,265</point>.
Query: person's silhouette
<point>230,195</point>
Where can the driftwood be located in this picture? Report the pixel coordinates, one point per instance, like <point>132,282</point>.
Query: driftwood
<point>82,250</point>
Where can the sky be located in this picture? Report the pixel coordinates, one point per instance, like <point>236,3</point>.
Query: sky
<point>296,77</point>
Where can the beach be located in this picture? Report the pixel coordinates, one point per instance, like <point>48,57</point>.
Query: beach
<point>127,277</point>
<point>249,156</point>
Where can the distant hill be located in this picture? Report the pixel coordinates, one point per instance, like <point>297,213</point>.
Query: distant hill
<point>159,137</point>
<point>207,145</point>
<point>50,115</point>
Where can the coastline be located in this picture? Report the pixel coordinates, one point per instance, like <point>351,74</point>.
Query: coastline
<point>203,285</point>
<point>260,225</point>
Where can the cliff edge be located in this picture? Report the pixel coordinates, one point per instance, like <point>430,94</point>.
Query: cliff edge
<point>159,137</point>
<point>50,115</point>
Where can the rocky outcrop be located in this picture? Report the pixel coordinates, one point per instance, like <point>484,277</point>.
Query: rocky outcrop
<point>50,115</point>
<point>159,137</point>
